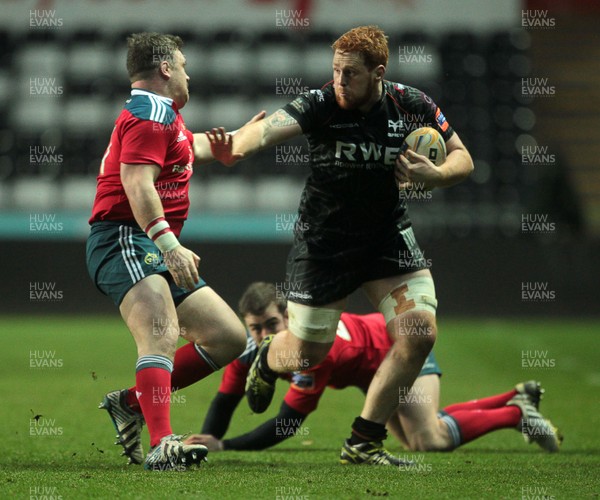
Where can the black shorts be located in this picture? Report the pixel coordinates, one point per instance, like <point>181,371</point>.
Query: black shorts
<point>316,277</point>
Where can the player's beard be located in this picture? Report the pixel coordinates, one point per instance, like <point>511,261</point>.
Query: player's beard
<point>356,102</point>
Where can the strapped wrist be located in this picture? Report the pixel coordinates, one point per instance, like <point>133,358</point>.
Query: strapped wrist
<point>160,232</point>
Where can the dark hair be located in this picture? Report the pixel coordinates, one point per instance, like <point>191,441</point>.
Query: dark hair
<point>258,296</point>
<point>370,41</point>
<point>147,50</point>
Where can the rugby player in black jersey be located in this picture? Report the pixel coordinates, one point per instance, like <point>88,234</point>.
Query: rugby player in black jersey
<point>354,227</point>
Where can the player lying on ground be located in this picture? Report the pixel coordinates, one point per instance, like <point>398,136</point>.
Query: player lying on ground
<point>134,255</point>
<point>360,345</point>
<point>354,226</point>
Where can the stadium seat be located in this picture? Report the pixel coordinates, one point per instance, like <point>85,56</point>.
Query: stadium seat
<point>85,114</point>
<point>230,58</point>
<point>8,43</point>
<point>6,88</point>
<point>317,58</point>
<point>77,192</point>
<point>228,194</point>
<point>229,112</point>
<point>196,114</point>
<point>276,59</point>
<point>197,57</point>
<point>414,58</point>
<point>34,193</point>
<point>36,115</point>
<point>6,188</point>
<point>277,193</point>
<point>40,60</point>
<point>86,62</point>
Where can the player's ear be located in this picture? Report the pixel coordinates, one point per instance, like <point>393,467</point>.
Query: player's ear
<point>164,69</point>
<point>285,317</point>
<point>379,72</point>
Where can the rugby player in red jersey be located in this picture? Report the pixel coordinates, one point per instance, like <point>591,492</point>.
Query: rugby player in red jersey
<point>360,346</point>
<point>134,255</point>
<point>355,228</point>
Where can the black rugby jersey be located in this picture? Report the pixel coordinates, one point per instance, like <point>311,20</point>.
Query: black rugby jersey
<point>351,193</point>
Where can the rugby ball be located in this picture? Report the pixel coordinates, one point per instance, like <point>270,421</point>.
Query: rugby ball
<point>428,142</point>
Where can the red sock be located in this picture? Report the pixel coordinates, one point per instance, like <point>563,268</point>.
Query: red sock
<point>497,401</point>
<point>153,386</point>
<point>132,400</point>
<point>189,367</point>
<point>474,423</point>
<point>192,363</point>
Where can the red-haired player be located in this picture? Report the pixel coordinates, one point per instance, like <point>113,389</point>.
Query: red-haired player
<point>354,229</point>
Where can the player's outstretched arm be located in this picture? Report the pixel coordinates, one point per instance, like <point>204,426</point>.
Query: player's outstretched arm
<point>219,414</point>
<point>413,168</point>
<point>138,182</point>
<point>270,433</point>
<point>252,137</point>
<point>202,147</point>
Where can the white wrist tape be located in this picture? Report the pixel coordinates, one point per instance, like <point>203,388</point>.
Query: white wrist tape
<point>159,231</point>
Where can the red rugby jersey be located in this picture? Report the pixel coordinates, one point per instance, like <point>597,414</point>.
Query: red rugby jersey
<point>359,347</point>
<point>149,130</point>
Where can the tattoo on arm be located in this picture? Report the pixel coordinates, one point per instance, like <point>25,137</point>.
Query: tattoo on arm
<point>280,119</point>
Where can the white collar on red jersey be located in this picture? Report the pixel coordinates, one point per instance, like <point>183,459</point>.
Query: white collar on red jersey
<point>166,100</point>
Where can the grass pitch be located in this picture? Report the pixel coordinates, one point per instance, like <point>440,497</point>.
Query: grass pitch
<point>55,371</point>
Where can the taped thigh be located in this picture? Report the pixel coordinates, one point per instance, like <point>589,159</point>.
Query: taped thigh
<point>313,324</point>
<point>415,294</point>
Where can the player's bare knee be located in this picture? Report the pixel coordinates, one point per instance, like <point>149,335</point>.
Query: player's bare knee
<point>418,329</point>
<point>228,339</point>
<point>161,338</point>
<point>413,333</point>
<point>313,353</point>
<point>297,355</point>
